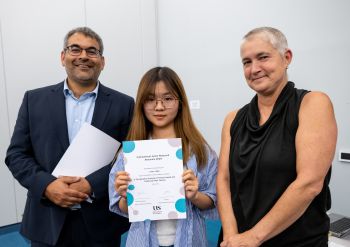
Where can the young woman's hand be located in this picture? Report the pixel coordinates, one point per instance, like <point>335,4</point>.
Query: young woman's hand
<point>191,184</point>
<point>121,182</point>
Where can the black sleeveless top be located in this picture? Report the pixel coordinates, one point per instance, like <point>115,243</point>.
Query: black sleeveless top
<point>262,165</point>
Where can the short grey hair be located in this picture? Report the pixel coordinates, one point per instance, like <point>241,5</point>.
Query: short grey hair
<point>88,32</point>
<point>272,35</point>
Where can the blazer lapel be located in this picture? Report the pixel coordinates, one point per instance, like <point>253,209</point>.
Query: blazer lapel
<point>102,106</point>
<point>58,114</point>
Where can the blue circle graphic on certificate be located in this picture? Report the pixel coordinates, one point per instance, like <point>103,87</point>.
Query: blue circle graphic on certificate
<point>128,146</point>
<point>129,198</point>
<point>131,187</point>
<point>180,205</point>
<point>179,153</point>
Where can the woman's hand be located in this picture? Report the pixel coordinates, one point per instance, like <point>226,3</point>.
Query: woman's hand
<point>245,239</point>
<point>191,184</point>
<point>121,183</point>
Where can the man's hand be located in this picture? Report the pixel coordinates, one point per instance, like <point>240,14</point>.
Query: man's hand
<point>82,186</point>
<point>60,193</point>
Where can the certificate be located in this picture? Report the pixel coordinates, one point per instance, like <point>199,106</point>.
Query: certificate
<point>156,191</point>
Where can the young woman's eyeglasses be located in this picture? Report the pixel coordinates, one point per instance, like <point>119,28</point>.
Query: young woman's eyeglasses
<point>167,101</point>
<point>75,50</point>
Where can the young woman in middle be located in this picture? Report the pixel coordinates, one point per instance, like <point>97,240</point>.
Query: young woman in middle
<point>161,112</point>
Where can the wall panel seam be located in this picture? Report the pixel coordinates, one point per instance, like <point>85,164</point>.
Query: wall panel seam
<point>7,110</point>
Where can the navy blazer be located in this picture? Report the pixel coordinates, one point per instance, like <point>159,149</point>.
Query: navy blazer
<point>40,139</point>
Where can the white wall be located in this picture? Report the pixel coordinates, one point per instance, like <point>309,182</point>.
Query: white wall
<point>32,38</point>
<point>7,206</point>
<point>200,39</point>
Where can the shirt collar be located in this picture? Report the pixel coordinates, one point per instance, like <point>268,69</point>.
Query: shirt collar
<point>67,91</point>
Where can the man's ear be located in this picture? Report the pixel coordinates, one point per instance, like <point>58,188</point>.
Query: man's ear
<point>63,55</point>
<point>103,62</point>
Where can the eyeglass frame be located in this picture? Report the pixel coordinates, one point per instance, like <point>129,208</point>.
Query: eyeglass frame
<point>161,99</point>
<point>68,48</point>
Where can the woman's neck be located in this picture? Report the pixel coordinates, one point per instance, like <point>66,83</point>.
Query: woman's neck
<point>161,133</point>
<point>267,102</point>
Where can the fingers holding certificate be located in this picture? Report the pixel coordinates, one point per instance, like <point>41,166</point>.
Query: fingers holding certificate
<point>122,180</point>
<point>191,184</point>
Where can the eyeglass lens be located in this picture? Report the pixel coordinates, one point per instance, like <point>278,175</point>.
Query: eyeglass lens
<point>168,102</point>
<point>75,50</point>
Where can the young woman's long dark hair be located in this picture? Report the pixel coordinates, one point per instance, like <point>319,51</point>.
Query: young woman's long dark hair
<point>140,129</point>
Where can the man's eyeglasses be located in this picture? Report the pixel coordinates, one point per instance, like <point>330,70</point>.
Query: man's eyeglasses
<point>167,101</point>
<point>75,50</point>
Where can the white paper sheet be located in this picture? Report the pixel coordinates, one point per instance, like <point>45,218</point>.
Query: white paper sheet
<point>90,150</point>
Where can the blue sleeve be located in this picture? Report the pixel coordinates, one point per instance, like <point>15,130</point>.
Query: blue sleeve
<point>207,184</point>
<point>114,197</point>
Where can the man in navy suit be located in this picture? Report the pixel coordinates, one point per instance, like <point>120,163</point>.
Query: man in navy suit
<point>57,212</point>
